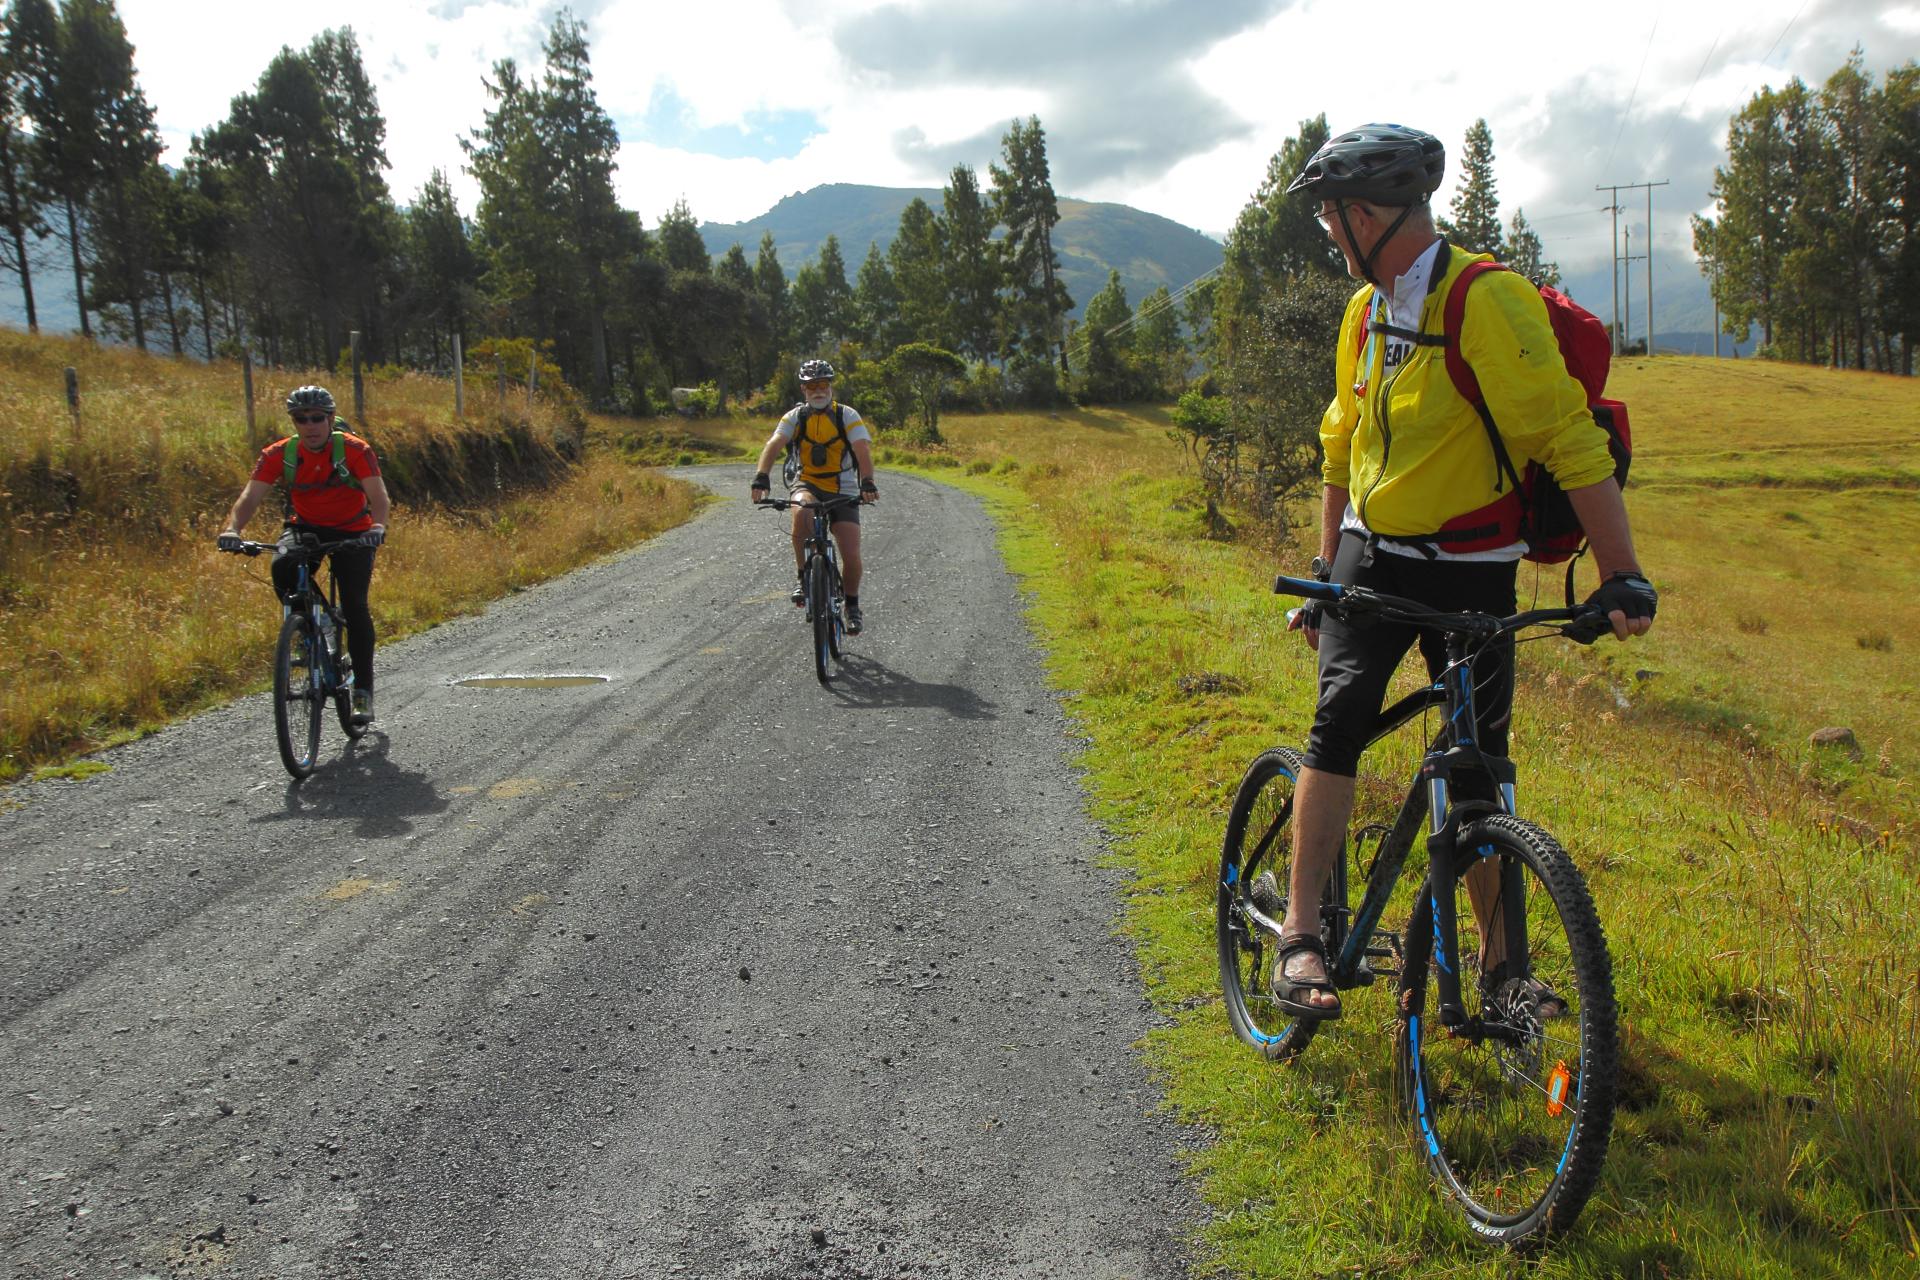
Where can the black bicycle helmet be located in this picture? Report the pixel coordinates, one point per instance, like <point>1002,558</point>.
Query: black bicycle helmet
<point>814,370</point>
<point>310,398</point>
<point>1386,164</point>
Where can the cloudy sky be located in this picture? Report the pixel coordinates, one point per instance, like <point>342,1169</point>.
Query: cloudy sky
<point>1173,106</point>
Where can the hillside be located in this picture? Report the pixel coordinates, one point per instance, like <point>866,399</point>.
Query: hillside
<point>1091,238</point>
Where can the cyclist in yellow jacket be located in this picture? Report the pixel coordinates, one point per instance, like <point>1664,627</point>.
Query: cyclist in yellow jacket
<point>1410,479</point>
<point>831,452</point>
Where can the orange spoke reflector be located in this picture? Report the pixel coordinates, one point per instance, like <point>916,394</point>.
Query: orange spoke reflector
<point>1558,1083</point>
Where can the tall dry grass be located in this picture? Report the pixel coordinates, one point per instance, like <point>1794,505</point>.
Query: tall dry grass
<point>117,613</point>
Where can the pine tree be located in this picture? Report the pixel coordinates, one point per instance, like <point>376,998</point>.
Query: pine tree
<point>770,281</point>
<point>128,189</point>
<point>917,258</point>
<point>1024,202</point>
<point>445,271</point>
<point>21,199</point>
<point>1104,372</point>
<point>876,305</point>
<point>972,279</point>
<point>1275,237</point>
<point>1525,255</point>
<point>836,296</point>
<point>680,241</point>
<point>1158,343</point>
<point>1474,215</point>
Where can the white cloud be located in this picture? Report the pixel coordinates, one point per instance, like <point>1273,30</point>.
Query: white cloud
<point>1553,83</point>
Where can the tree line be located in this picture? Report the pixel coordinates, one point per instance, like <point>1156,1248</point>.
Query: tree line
<point>1812,238</point>
<point>278,234</point>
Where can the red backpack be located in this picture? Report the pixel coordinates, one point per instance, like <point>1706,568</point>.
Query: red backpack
<point>1547,519</point>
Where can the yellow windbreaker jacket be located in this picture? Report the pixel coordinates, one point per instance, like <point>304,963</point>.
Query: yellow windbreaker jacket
<point>1412,451</point>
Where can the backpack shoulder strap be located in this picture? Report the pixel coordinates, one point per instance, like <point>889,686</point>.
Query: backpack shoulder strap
<point>1452,317</point>
<point>291,454</point>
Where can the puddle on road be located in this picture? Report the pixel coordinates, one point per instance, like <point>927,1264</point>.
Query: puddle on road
<point>530,682</point>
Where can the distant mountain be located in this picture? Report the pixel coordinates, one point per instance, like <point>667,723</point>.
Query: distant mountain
<point>1682,309</point>
<point>1148,250</point>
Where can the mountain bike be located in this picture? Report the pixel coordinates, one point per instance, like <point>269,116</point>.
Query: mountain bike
<point>821,576</point>
<point>310,662</point>
<point>1505,1039</point>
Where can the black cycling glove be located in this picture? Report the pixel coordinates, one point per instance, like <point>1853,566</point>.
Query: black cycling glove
<point>760,481</point>
<point>1627,591</point>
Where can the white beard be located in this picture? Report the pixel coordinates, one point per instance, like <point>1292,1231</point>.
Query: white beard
<point>819,402</point>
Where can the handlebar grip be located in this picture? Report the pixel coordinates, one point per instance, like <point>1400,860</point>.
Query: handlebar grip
<point>1310,588</point>
<point>1589,626</point>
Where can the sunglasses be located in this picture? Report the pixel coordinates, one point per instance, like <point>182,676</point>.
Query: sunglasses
<point>306,418</point>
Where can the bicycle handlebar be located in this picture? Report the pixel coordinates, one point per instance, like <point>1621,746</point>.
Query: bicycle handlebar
<point>1583,623</point>
<point>250,548</point>
<point>830,504</point>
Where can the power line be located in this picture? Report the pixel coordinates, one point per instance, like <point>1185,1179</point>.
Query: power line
<point>1148,310</point>
<point>1682,108</point>
<point>1644,53</point>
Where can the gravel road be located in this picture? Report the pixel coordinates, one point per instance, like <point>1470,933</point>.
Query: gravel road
<point>704,970</point>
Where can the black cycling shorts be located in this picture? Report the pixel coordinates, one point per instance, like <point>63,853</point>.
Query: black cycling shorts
<point>1357,662</point>
<point>843,514</point>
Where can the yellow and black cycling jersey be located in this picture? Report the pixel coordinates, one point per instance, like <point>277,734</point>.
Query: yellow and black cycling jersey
<point>822,442</point>
<point>1409,448</point>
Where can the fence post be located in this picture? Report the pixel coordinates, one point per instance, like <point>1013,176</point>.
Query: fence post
<point>500,372</point>
<point>459,381</point>
<point>246,381</point>
<point>73,399</point>
<point>533,380</point>
<point>359,392</point>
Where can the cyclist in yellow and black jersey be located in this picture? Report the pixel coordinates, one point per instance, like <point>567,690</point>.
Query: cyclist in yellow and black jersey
<point>830,452</point>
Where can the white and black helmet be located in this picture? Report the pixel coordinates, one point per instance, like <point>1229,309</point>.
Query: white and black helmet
<point>815,370</point>
<point>310,398</point>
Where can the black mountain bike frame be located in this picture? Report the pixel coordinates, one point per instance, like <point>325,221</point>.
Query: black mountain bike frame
<point>1453,754</point>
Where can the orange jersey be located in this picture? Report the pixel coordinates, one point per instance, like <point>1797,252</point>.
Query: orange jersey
<point>320,498</point>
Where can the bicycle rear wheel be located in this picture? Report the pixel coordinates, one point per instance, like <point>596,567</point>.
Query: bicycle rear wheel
<point>820,605</point>
<point>1259,839</point>
<point>1515,1108</point>
<point>296,694</point>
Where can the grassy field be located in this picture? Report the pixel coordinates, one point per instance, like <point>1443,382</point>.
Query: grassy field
<point>1759,894</point>
<point>117,613</point>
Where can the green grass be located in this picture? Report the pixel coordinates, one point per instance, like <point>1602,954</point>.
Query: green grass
<point>1759,896</point>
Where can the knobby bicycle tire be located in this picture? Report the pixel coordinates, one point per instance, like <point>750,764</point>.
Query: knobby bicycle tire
<point>1514,1129</point>
<point>1259,838</point>
<point>296,706</point>
<point>838,632</point>
<point>820,606</point>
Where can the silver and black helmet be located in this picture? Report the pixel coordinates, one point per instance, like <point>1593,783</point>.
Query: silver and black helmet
<point>310,398</point>
<point>814,370</point>
<point>1384,164</point>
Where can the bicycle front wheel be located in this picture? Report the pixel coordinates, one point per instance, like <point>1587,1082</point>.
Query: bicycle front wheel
<point>1514,1108</point>
<point>296,694</point>
<point>1259,839</point>
<point>838,632</point>
<point>820,602</point>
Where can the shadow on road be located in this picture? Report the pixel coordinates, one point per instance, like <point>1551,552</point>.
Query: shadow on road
<point>864,682</point>
<point>363,783</point>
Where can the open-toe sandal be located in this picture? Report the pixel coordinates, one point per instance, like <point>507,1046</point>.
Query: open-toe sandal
<point>1289,993</point>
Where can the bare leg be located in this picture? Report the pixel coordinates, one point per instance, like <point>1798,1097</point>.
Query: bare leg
<point>802,529</point>
<point>1321,806</point>
<point>847,534</point>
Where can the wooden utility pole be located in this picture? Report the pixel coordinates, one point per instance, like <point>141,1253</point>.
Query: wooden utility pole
<point>359,391</point>
<point>1613,191</point>
<point>73,400</point>
<point>459,381</point>
<point>246,384</point>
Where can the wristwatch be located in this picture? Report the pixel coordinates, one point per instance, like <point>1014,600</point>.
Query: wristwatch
<point>1321,570</point>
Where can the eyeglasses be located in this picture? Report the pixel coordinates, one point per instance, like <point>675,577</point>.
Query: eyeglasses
<point>305,419</point>
<point>818,384</point>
